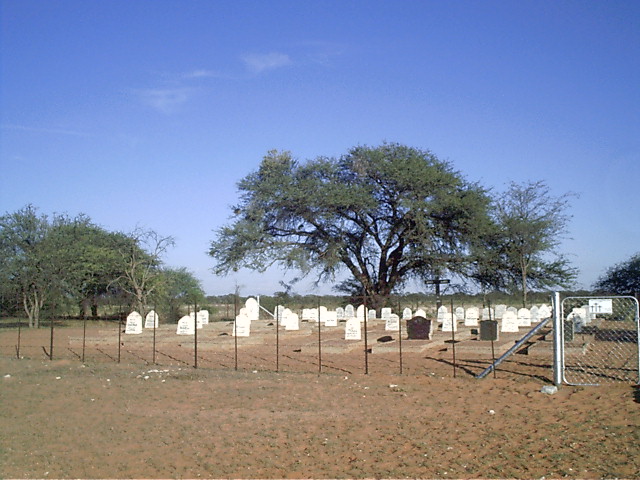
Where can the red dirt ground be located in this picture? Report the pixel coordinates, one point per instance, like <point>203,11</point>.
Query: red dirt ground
<point>61,418</point>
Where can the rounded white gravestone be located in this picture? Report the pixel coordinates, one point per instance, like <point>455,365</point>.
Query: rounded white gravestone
<point>253,308</point>
<point>151,320</point>
<point>134,324</point>
<point>186,326</point>
<point>242,326</point>
<point>509,322</point>
<point>352,330</point>
<point>392,323</point>
<point>203,315</point>
<point>524,317</point>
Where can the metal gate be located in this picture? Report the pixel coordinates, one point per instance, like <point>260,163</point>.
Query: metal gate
<point>599,340</point>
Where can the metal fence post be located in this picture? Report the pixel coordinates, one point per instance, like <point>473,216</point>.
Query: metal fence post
<point>557,339</point>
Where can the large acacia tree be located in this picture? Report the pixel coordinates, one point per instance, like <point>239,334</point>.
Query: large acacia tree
<point>385,214</point>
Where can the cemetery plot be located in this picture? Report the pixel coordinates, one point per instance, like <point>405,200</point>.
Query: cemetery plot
<point>313,339</point>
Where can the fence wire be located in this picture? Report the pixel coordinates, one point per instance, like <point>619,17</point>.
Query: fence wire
<point>600,340</point>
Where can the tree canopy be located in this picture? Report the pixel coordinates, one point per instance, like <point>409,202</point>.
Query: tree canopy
<point>62,260</point>
<point>621,279</point>
<point>385,214</point>
<point>521,252</point>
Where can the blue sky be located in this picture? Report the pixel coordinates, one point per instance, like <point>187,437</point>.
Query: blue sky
<point>147,113</point>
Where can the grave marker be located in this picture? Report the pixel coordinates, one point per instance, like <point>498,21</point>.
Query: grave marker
<point>471,317</point>
<point>330,318</point>
<point>443,312</point>
<point>449,323</point>
<point>151,320</point>
<point>242,325</point>
<point>349,312</point>
<point>524,317</point>
<point>186,326</point>
<point>352,329</point>
<point>134,324</point>
<point>253,308</point>
<point>293,322</point>
<point>509,322</point>
<point>392,323</point>
<point>419,328</point>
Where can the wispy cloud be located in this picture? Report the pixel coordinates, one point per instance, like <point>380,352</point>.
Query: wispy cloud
<point>46,130</point>
<point>164,100</point>
<point>201,73</point>
<point>268,61</point>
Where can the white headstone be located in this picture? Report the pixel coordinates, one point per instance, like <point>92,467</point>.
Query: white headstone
<point>360,311</point>
<point>134,324</point>
<point>524,317</point>
<point>151,320</point>
<point>509,322</point>
<point>198,320</point>
<point>203,317</point>
<point>512,309</point>
<point>372,314</point>
<point>293,322</point>
<point>442,313</point>
<point>459,314</point>
<point>186,326</point>
<point>488,314</point>
<point>471,315</point>
<point>352,330</point>
<point>544,311</point>
<point>253,308</point>
<point>242,325</point>
<point>588,314</point>
<point>407,314</point>
<point>322,314</point>
<point>340,313</point>
<point>500,309</point>
<point>286,313</point>
<point>535,316</point>
<point>385,313</point>
<point>330,318</point>
<point>349,312</point>
<point>580,318</point>
<point>449,323</point>
<point>420,313</point>
<point>309,314</point>
<point>392,323</point>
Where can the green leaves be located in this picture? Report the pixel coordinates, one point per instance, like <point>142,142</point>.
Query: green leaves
<point>386,214</point>
<point>621,279</point>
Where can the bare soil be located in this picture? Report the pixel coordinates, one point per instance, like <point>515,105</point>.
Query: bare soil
<point>294,410</point>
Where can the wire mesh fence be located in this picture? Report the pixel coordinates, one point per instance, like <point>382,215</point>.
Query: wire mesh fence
<point>600,340</point>
<point>313,348</point>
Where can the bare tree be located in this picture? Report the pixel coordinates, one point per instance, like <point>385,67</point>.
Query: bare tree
<point>142,258</point>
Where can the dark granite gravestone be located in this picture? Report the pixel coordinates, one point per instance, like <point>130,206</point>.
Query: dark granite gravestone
<point>489,330</point>
<point>419,328</point>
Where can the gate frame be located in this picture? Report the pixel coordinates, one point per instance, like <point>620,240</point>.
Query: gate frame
<point>558,336</point>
